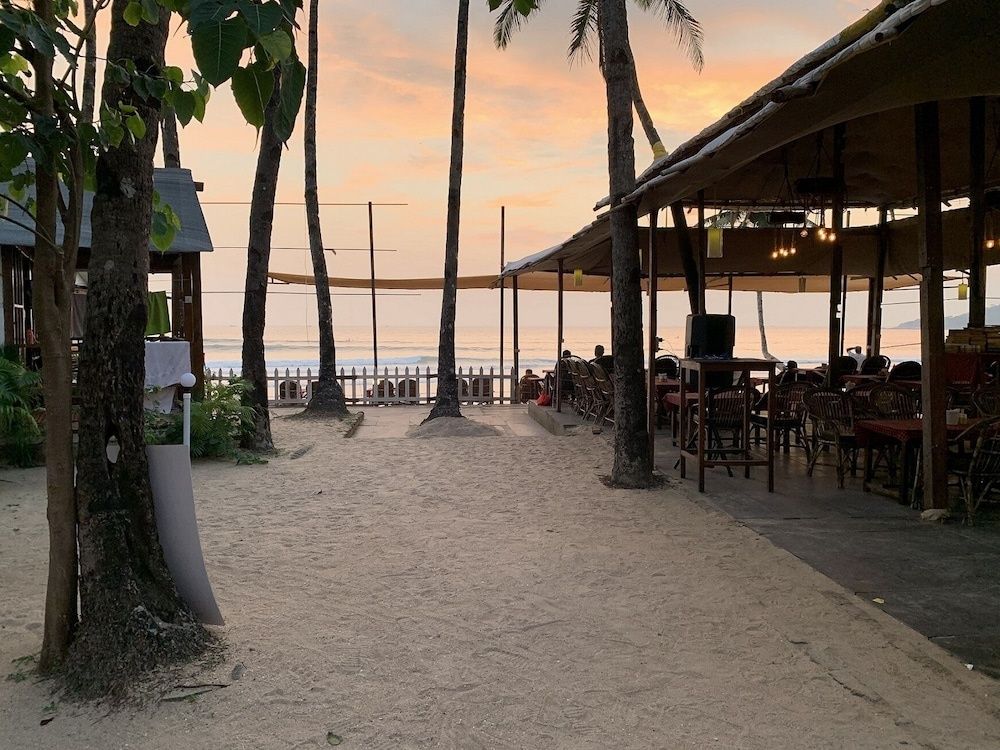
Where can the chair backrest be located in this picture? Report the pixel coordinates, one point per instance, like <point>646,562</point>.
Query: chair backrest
<point>726,406</point>
<point>861,400</point>
<point>987,401</point>
<point>828,405</point>
<point>985,466</point>
<point>408,388</point>
<point>845,365</point>
<point>875,364</point>
<point>789,401</point>
<point>667,365</point>
<point>908,370</point>
<point>604,382</point>
<point>892,402</point>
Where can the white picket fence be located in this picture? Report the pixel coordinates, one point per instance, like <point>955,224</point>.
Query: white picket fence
<point>385,387</point>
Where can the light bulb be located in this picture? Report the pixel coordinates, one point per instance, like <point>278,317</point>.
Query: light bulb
<point>784,253</point>
<point>831,237</point>
<point>990,244</point>
<point>821,234</point>
<point>792,250</point>
<point>804,233</point>
<point>774,255</point>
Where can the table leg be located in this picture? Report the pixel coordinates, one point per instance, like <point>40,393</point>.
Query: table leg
<point>867,475</point>
<point>904,472</point>
<point>681,415</point>
<point>702,427</point>
<point>770,435</point>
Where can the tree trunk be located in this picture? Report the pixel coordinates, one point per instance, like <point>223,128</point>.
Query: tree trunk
<point>171,141</point>
<point>327,396</point>
<point>659,150</point>
<point>132,620</point>
<point>632,465</point>
<point>53,273</point>
<point>265,187</point>
<point>447,404</point>
<point>89,63</point>
<point>689,260</point>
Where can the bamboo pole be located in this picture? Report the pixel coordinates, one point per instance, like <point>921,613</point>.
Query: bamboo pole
<point>503,217</point>
<point>977,203</point>
<point>651,402</point>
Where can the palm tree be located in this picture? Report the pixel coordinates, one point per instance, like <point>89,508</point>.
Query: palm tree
<point>327,396</point>
<point>447,394</point>
<point>585,27</point>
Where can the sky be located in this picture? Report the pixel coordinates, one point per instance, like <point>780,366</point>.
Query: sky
<point>535,142</point>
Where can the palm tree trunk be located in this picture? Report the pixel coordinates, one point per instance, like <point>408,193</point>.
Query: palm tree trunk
<point>171,141</point>
<point>133,620</point>
<point>762,327</point>
<point>327,396</point>
<point>265,187</point>
<point>689,259</point>
<point>89,64</point>
<point>659,150</point>
<point>447,395</point>
<point>632,466</point>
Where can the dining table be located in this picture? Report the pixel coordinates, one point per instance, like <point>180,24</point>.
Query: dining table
<point>907,434</point>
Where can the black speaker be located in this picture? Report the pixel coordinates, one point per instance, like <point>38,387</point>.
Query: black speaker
<point>710,337</point>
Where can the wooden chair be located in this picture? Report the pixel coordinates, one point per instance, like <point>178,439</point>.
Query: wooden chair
<point>788,417</point>
<point>978,476</point>
<point>987,401</point>
<point>833,428</point>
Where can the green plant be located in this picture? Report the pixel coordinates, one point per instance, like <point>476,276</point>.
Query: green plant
<point>217,422</point>
<point>20,391</point>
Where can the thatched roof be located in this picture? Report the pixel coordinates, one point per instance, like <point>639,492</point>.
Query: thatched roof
<point>176,188</point>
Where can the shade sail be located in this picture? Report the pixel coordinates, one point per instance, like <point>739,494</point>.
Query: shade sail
<point>869,77</point>
<point>549,282</point>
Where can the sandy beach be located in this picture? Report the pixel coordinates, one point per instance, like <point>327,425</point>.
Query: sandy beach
<point>492,593</point>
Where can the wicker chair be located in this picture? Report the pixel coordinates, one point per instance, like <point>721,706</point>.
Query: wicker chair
<point>833,428</point>
<point>908,370</point>
<point>589,394</point>
<point>845,365</point>
<point>875,365</point>
<point>667,365</point>
<point>606,394</point>
<point>978,476</point>
<point>861,400</point>
<point>892,402</point>
<point>788,417</point>
<point>723,413</point>
<point>987,401</point>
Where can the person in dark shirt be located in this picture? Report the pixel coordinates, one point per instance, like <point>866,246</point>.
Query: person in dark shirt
<point>606,361</point>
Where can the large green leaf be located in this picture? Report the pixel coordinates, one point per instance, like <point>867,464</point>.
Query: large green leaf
<point>252,87</point>
<point>218,47</point>
<point>293,81</point>
<point>261,18</point>
<point>277,45</point>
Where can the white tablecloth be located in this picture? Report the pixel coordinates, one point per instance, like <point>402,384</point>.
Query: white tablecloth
<point>166,362</point>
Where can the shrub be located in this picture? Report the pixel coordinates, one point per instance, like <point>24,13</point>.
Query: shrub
<point>217,422</point>
<point>20,394</point>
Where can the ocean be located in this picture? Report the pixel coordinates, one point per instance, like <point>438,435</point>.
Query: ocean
<point>416,346</point>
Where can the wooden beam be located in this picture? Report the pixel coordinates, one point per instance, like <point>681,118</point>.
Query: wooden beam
<point>503,227</point>
<point>193,319</point>
<point>651,347</point>
<point>931,249</point>
<point>702,252</point>
<point>877,288</point>
<point>177,287</point>
<point>977,204</point>
<point>517,333</point>
<point>836,257</point>
<point>559,338</point>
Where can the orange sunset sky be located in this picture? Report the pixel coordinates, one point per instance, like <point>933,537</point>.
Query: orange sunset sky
<point>535,142</point>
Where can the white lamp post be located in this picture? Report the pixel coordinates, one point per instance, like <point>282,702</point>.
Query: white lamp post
<point>187,383</point>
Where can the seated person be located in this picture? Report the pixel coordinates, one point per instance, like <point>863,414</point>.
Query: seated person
<point>606,361</point>
<point>567,378</point>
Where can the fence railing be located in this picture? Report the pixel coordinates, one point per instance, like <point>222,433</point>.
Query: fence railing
<point>386,387</point>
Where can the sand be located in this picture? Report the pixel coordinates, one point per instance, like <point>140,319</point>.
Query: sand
<point>452,427</point>
<point>493,593</point>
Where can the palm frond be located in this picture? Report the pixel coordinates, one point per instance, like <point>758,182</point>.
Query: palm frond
<point>513,14</point>
<point>582,30</point>
<point>678,19</point>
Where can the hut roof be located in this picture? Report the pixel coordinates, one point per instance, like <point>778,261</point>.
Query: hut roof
<point>175,187</point>
<point>869,76</point>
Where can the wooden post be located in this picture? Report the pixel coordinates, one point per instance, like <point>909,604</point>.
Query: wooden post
<point>702,251</point>
<point>177,287</point>
<point>559,337</point>
<point>651,288</point>
<point>517,352</point>
<point>193,319</point>
<point>729,309</point>
<point>931,250</point>
<point>977,203</point>
<point>371,254</point>
<point>836,255</point>
<point>876,288</point>
<point>502,239</point>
